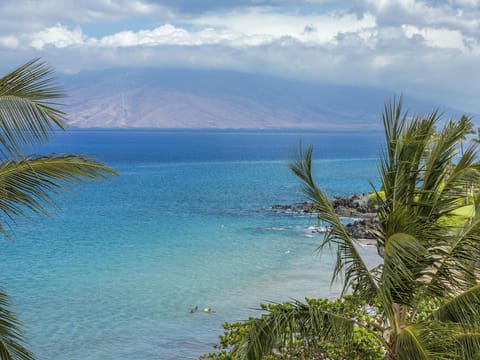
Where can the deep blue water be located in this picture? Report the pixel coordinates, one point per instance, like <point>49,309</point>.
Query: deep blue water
<point>187,223</point>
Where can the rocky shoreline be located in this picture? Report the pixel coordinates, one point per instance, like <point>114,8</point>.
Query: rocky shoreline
<point>357,207</point>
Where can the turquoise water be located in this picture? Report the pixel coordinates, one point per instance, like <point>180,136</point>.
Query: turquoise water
<point>188,222</point>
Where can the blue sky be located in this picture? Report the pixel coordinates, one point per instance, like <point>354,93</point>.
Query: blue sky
<point>429,49</point>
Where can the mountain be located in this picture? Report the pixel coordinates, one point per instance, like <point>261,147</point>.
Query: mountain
<point>172,98</point>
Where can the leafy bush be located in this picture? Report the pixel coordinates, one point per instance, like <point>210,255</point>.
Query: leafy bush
<point>364,346</point>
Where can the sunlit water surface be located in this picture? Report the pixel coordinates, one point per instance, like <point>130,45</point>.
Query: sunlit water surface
<point>188,223</point>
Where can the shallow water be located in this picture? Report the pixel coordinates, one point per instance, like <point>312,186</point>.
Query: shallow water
<point>187,223</point>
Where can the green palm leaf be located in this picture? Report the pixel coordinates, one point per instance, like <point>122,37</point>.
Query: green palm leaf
<point>29,115</point>
<point>12,341</point>
<point>425,294</point>
<point>28,111</point>
<point>446,186</point>
<point>289,322</point>
<point>463,309</point>
<point>427,340</point>
<point>468,344</point>
<point>453,264</point>
<point>400,170</point>
<point>403,261</point>
<point>443,151</point>
<point>411,346</point>
<point>31,183</point>
<point>349,259</point>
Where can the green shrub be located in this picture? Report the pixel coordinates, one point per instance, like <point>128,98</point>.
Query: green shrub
<point>365,346</point>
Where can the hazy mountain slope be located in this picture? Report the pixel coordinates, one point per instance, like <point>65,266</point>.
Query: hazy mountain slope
<point>219,99</point>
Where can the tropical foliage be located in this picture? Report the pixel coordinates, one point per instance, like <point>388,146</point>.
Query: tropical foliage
<point>362,346</point>
<point>29,184</point>
<point>423,299</point>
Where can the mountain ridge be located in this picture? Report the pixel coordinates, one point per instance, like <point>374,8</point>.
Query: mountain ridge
<point>210,99</point>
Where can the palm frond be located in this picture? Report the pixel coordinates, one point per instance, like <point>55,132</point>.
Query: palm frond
<point>403,262</point>
<point>446,185</point>
<point>458,186</point>
<point>463,309</point>
<point>12,341</point>
<point>442,153</point>
<point>400,170</point>
<point>393,123</point>
<point>468,344</point>
<point>454,260</point>
<point>289,322</point>
<point>349,259</point>
<point>28,111</point>
<point>28,184</point>
<point>411,346</point>
<point>427,340</point>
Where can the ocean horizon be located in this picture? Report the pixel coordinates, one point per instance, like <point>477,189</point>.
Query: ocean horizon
<point>188,223</point>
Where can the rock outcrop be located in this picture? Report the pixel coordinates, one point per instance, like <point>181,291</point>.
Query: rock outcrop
<point>358,207</point>
<point>354,206</point>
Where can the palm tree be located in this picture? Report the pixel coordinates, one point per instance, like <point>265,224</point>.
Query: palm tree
<point>29,115</point>
<point>423,300</point>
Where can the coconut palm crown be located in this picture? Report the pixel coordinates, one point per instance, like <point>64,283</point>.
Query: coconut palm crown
<point>423,300</point>
<point>29,184</point>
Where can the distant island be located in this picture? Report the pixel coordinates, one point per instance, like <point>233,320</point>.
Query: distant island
<point>201,99</point>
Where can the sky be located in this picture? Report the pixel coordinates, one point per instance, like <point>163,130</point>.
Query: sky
<point>428,49</point>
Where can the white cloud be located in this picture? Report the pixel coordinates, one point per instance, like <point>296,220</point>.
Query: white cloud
<point>9,42</point>
<point>26,15</point>
<point>436,14</point>
<point>259,21</point>
<point>251,28</point>
<point>57,36</point>
<point>167,35</point>
<point>384,4</point>
<point>426,48</point>
<point>469,3</point>
<point>442,38</point>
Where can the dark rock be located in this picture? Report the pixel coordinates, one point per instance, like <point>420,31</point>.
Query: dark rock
<point>304,207</point>
<point>356,206</point>
<point>362,229</point>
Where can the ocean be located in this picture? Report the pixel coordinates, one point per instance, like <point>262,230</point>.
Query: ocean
<point>188,223</point>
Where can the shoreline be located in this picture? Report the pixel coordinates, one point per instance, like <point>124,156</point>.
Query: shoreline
<point>356,208</point>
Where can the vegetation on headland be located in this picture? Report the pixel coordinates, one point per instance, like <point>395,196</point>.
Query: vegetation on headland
<point>29,115</point>
<point>423,300</point>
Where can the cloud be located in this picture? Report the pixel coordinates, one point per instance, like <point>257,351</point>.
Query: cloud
<point>24,15</point>
<point>426,48</point>
<point>57,36</point>
<point>447,14</point>
<point>9,42</point>
<point>441,37</point>
<point>202,6</point>
<point>236,29</point>
<point>261,21</point>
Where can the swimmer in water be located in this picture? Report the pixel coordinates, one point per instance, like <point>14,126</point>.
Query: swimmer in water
<point>194,309</point>
<point>208,310</point>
